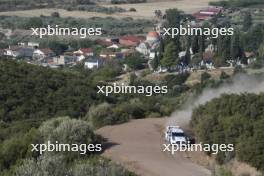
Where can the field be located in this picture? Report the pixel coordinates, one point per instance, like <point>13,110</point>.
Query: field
<point>144,10</point>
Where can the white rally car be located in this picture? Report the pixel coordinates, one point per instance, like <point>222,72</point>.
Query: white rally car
<point>175,135</point>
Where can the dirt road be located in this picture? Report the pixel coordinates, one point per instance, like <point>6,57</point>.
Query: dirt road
<point>137,145</point>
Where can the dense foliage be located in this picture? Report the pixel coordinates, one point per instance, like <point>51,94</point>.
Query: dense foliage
<point>31,96</point>
<point>237,3</point>
<point>29,92</point>
<point>233,119</point>
<point>17,158</point>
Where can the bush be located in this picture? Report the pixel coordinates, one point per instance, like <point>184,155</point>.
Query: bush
<point>44,165</point>
<point>100,115</point>
<point>55,14</point>
<point>135,62</point>
<point>68,131</point>
<point>204,77</point>
<point>132,9</point>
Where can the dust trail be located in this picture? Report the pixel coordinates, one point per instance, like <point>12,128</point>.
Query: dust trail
<point>241,83</point>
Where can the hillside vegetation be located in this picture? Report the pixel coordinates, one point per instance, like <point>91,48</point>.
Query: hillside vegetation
<point>237,3</point>
<point>32,97</point>
<point>233,119</point>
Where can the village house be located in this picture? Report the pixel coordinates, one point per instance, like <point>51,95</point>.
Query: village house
<point>107,54</point>
<point>82,53</point>
<point>33,45</point>
<point>18,51</point>
<point>65,60</point>
<point>250,56</point>
<point>43,53</point>
<point>114,46</point>
<point>130,41</point>
<point>149,46</point>
<point>104,43</point>
<point>207,13</point>
<point>92,62</point>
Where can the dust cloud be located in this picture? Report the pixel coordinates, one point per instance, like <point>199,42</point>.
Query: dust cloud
<point>241,83</point>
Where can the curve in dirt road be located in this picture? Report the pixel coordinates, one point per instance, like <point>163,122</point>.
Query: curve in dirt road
<point>137,145</point>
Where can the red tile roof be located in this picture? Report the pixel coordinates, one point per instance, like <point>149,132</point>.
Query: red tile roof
<point>200,16</point>
<point>86,50</point>
<point>131,38</point>
<point>104,42</point>
<point>153,34</point>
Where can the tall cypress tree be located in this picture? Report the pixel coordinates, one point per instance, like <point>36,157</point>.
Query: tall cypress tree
<point>155,62</point>
<point>174,18</point>
<point>170,57</point>
<point>195,44</point>
<point>188,54</point>
<point>236,50</point>
<point>247,23</point>
<point>201,45</point>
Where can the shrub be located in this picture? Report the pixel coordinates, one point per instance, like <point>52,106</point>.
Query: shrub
<point>55,14</point>
<point>132,9</point>
<point>100,115</point>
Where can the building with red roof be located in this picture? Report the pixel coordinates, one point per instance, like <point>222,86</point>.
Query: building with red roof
<point>207,13</point>
<point>82,53</point>
<point>43,53</point>
<point>130,41</point>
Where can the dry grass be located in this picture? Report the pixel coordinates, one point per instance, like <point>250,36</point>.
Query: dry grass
<point>195,77</point>
<point>144,10</point>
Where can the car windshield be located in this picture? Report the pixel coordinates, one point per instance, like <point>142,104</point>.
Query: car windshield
<point>178,134</point>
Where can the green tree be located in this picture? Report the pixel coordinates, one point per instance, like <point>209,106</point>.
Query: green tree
<point>161,47</point>
<point>261,50</point>
<point>155,62</point>
<point>58,47</point>
<point>247,22</point>
<point>195,44</point>
<point>170,57</point>
<point>201,45</point>
<point>236,50</point>
<point>188,54</point>
<point>100,115</point>
<point>174,18</point>
<point>135,61</point>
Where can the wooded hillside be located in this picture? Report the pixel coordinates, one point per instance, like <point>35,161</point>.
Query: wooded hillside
<point>233,119</point>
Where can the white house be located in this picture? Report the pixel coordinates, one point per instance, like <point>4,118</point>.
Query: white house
<point>92,63</point>
<point>82,53</point>
<point>40,54</point>
<point>33,44</point>
<point>18,51</point>
<point>151,43</point>
<point>12,51</point>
